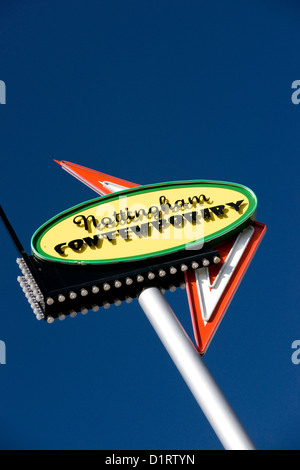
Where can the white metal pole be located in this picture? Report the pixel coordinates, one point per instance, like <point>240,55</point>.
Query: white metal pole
<point>193,370</point>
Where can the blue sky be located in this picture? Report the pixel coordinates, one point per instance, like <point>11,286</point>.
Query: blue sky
<point>149,91</point>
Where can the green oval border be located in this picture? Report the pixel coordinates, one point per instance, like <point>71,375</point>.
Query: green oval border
<point>218,236</point>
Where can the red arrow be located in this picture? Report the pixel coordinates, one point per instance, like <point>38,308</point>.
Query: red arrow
<point>205,330</point>
<point>99,182</point>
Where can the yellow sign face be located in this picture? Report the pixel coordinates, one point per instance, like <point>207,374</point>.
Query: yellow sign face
<point>145,221</point>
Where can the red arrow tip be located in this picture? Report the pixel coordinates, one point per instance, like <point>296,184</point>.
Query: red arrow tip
<point>57,161</point>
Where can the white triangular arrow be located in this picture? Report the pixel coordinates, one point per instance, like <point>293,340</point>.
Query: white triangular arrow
<point>210,294</point>
<point>113,187</point>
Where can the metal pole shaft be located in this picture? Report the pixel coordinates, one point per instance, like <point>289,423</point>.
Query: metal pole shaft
<point>193,370</point>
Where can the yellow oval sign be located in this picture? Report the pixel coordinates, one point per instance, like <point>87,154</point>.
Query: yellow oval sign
<point>145,221</point>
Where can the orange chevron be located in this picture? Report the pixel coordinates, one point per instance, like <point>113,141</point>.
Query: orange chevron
<point>99,182</point>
